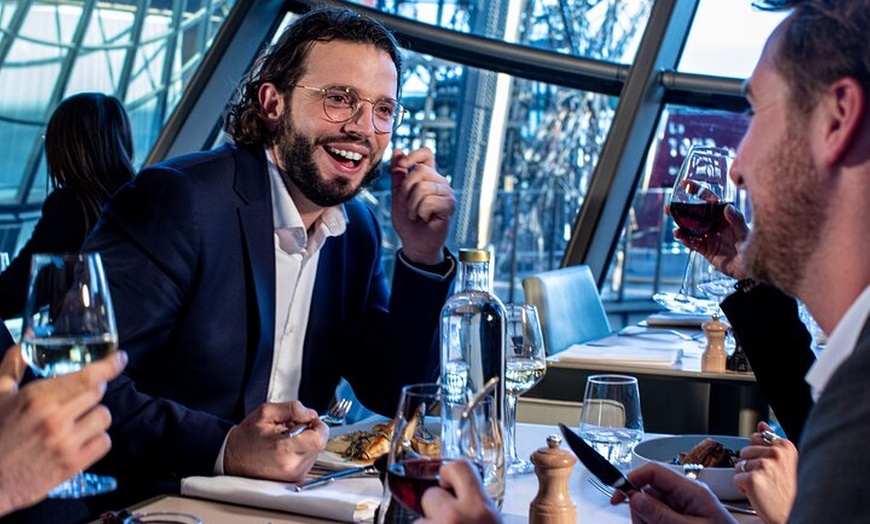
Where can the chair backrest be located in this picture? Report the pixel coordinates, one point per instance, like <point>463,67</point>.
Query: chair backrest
<point>569,306</point>
<point>550,412</point>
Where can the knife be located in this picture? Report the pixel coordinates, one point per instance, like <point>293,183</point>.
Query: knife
<point>329,477</point>
<point>596,464</point>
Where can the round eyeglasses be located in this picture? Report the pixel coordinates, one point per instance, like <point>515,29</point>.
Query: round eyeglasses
<point>342,103</point>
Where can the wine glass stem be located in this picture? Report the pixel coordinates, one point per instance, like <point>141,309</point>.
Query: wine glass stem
<point>511,428</point>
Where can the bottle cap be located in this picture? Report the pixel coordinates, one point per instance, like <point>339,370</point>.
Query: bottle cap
<point>473,255</point>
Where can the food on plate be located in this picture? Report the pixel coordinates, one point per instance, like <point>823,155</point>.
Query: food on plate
<point>364,446</point>
<point>710,454</point>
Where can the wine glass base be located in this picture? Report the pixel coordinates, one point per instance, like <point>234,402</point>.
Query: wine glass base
<point>520,467</point>
<point>83,485</point>
<point>679,303</point>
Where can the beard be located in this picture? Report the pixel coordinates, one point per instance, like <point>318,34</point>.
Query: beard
<point>296,155</point>
<point>786,233</point>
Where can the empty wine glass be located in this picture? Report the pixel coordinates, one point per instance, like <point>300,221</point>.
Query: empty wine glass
<point>68,323</point>
<point>525,366</point>
<point>697,205</point>
<point>611,420</point>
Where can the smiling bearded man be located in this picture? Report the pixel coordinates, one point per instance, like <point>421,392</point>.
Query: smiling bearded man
<point>296,154</point>
<point>247,280</point>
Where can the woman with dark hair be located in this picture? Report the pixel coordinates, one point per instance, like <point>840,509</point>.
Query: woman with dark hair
<point>89,155</point>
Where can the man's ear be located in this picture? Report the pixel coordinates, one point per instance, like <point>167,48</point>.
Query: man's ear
<point>271,105</point>
<point>842,111</point>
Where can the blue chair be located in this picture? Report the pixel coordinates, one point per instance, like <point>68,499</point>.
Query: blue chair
<point>569,307</point>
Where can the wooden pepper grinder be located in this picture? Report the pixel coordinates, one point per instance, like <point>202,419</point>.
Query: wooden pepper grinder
<point>552,504</point>
<point>714,358</point>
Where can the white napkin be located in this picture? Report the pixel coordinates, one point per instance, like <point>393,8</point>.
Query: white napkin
<point>629,351</point>
<point>347,500</point>
<point>674,319</point>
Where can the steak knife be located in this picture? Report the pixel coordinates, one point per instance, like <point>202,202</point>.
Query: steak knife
<point>596,464</point>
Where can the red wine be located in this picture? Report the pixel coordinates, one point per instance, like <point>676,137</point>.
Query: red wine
<point>698,219</point>
<point>408,480</point>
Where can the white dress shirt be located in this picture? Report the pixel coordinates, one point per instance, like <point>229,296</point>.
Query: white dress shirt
<point>296,256</point>
<point>840,344</point>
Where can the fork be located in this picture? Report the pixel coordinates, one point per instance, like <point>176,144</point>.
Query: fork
<point>607,490</point>
<point>337,413</point>
<point>334,416</point>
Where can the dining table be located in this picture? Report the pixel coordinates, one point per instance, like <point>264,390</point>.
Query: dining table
<point>592,506</point>
<point>677,397</point>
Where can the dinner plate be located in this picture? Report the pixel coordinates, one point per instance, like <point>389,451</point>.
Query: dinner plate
<point>334,461</point>
<point>665,449</point>
<point>330,460</point>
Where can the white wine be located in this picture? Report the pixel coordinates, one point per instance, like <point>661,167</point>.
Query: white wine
<point>523,373</point>
<point>52,356</point>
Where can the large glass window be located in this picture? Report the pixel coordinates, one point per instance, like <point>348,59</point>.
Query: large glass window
<point>726,38</point>
<point>648,259</point>
<point>52,49</point>
<point>598,29</point>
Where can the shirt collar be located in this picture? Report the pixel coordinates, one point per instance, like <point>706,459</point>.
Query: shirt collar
<point>840,344</point>
<point>285,216</point>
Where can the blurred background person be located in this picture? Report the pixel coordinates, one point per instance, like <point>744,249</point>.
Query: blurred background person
<point>89,156</point>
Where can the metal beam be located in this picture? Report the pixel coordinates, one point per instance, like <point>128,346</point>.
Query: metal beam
<point>493,55</point>
<point>598,225</point>
<point>196,120</point>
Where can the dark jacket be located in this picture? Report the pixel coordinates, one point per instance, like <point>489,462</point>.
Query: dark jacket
<point>189,252</point>
<point>62,228</point>
<point>768,328</point>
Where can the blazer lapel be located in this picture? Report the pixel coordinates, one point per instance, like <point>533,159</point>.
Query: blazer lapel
<point>252,185</point>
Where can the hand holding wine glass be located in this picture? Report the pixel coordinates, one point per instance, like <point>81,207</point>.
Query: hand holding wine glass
<point>701,195</point>
<point>525,366</point>
<point>69,323</point>
<point>42,447</point>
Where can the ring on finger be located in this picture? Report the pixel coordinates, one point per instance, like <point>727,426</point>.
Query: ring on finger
<point>741,466</point>
<point>768,436</point>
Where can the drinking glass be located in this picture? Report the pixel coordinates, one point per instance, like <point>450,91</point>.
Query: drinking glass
<point>430,431</point>
<point>525,366</point>
<point>162,517</point>
<point>68,323</point>
<point>611,421</point>
<point>697,205</point>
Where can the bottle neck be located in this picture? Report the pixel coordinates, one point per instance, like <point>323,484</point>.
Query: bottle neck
<point>474,276</point>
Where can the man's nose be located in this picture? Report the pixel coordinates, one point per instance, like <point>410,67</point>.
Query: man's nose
<point>736,172</point>
<point>363,121</point>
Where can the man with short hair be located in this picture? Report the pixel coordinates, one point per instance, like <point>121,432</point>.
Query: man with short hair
<point>805,161</point>
<point>247,279</point>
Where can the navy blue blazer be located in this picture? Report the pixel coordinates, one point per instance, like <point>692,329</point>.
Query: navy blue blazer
<point>5,339</point>
<point>189,252</point>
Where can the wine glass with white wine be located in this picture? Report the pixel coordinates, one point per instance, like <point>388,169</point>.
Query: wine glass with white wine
<point>69,323</point>
<point>525,366</point>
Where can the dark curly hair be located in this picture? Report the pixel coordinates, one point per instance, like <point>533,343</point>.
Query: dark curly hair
<point>284,63</point>
<point>819,42</point>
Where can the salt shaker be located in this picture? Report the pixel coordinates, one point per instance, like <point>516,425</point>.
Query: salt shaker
<point>714,358</point>
<point>552,504</point>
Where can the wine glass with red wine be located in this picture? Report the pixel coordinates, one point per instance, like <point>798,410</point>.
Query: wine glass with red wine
<point>697,205</point>
<point>419,449</point>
